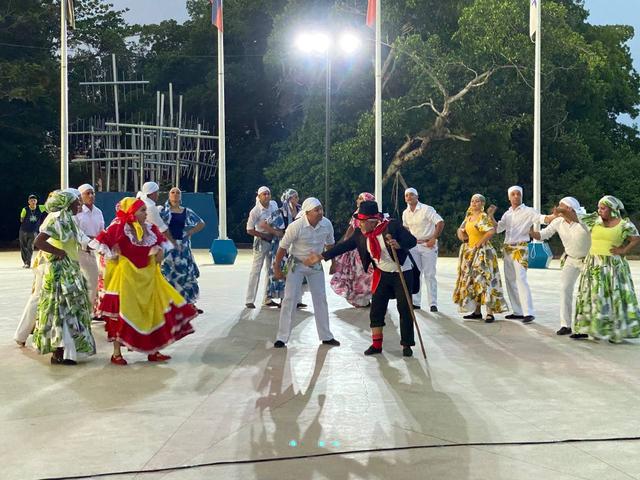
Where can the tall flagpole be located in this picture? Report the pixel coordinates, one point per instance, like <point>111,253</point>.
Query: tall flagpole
<point>378,107</point>
<point>64,99</point>
<point>536,112</point>
<point>222,174</point>
<point>223,250</point>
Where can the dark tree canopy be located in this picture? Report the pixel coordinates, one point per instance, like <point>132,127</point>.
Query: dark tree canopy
<point>457,99</point>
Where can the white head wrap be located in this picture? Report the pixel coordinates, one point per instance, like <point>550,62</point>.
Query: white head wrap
<point>515,187</point>
<point>308,205</point>
<point>85,186</point>
<point>261,190</point>
<point>574,204</point>
<point>73,191</point>
<point>147,189</point>
<point>411,190</point>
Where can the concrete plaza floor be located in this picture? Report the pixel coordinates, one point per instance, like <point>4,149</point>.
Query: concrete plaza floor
<point>228,396</point>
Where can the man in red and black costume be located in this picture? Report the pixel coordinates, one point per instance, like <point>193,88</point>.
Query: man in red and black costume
<point>374,241</point>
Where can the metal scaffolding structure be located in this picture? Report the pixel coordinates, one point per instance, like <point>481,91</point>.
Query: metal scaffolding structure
<point>122,155</point>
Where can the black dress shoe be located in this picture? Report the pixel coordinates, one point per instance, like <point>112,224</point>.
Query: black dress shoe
<point>528,319</point>
<point>56,360</point>
<point>407,352</point>
<point>301,305</point>
<point>472,316</point>
<point>372,350</point>
<point>513,316</point>
<point>416,307</point>
<point>333,342</point>
<point>270,303</point>
<point>279,344</point>
<point>564,331</point>
<point>489,318</point>
<point>433,308</point>
<point>578,336</point>
<point>249,305</point>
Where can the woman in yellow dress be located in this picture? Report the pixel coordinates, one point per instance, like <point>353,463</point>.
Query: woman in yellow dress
<point>142,310</point>
<point>479,280</point>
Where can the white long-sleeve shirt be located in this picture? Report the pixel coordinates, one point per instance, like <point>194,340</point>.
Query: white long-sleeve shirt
<point>422,221</point>
<point>90,221</point>
<point>258,214</point>
<point>517,223</point>
<point>301,239</point>
<point>575,236</point>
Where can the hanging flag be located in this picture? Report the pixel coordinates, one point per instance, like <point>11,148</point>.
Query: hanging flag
<point>533,18</point>
<point>71,18</point>
<point>216,13</point>
<point>371,13</point>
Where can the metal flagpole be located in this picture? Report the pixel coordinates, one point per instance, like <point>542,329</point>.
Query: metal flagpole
<point>536,113</point>
<point>64,98</point>
<point>222,178</point>
<point>378,107</point>
<point>223,250</point>
<point>539,253</point>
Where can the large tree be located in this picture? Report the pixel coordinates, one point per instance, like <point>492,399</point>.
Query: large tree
<point>457,108</point>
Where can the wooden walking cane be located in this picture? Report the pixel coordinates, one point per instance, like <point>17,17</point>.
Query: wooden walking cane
<point>406,294</point>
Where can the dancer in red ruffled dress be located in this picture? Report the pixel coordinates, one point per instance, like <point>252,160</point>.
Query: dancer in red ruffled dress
<point>142,310</point>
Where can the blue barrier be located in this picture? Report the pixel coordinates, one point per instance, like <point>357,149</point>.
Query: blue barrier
<point>201,203</point>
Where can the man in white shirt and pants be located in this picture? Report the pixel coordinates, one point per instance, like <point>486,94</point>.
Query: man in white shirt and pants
<point>516,223</point>
<point>261,212</point>
<point>91,221</point>
<point>576,239</point>
<point>426,225</point>
<point>309,234</point>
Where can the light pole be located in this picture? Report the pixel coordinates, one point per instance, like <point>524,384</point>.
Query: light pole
<point>320,43</point>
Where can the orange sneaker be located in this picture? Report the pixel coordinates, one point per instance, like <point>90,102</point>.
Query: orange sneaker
<point>158,357</point>
<point>119,360</point>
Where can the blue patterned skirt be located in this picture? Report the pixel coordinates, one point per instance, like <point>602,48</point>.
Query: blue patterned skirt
<point>181,271</point>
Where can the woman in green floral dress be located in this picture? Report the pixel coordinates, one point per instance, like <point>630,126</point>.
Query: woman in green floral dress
<point>607,307</point>
<point>63,325</point>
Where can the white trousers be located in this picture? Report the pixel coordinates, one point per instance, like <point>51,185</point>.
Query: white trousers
<point>292,289</point>
<point>426,259</point>
<point>89,267</point>
<point>260,257</point>
<point>568,278</point>
<point>518,287</point>
<point>28,319</point>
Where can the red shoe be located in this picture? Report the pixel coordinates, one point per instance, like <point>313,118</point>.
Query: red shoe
<point>119,360</point>
<point>158,357</point>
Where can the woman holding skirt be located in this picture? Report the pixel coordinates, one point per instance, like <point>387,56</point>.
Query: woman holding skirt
<point>349,278</point>
<point>607,306</point>
<point>478,280</point>
<point>63,323</point>
<point>143,311</point>
<point>179,266</point>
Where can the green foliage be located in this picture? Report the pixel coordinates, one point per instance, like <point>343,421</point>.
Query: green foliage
<point>275,98</point>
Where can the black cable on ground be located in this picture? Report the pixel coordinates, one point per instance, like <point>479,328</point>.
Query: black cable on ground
<point>347,452</point>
